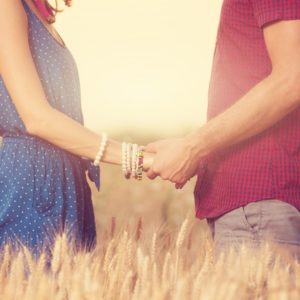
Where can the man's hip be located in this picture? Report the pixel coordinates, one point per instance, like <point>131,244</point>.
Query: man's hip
<point>256,223</point>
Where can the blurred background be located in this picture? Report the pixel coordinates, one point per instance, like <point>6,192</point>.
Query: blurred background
<point>144,65</point>
<point>145,70</point>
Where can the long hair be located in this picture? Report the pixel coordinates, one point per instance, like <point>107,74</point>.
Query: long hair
<point>54,8</point>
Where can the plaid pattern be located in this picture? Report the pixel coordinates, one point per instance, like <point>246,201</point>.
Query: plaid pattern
<point>266,166</point>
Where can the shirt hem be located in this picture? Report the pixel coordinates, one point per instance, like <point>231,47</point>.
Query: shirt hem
<point>265,18</point>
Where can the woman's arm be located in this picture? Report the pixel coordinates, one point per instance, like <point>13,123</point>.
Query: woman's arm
<point>19,73</point>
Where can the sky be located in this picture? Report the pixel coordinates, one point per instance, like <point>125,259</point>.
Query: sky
<point>144,65</point>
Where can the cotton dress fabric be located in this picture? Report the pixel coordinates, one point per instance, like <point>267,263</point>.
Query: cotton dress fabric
<point>43,189</point>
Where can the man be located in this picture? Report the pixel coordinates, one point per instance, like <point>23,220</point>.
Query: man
<point>247,156</point>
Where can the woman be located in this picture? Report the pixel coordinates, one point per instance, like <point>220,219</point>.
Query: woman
<point>46,150</point>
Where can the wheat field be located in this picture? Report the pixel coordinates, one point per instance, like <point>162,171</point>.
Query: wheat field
<point>149,246</point>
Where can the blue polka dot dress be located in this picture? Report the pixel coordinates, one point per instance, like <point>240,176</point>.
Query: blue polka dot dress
<point>43,189</point>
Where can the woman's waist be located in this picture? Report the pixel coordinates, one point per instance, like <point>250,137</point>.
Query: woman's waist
<point>16,146</point>
<point>27,146</point>
<point>33,143</point>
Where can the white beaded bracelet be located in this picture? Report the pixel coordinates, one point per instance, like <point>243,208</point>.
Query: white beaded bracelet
<point>134,157</point>
<point>132,161</point>
<point>101,151</point>
<point>124,159</point>
<point>128,161</point>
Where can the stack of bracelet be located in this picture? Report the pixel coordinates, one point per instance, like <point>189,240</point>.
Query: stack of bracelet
<point>132,161</point>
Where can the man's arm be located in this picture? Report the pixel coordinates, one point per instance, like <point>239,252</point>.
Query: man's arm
<point>262,107</point>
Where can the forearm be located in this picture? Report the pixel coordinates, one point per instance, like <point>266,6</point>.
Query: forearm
<point>70,135</point>
<point>262,107</point>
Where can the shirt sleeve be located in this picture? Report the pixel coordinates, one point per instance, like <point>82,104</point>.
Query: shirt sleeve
<point>267,11</point>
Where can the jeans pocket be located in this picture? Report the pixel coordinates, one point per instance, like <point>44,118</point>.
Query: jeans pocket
<point>281,222</point>
<point>251,215</point>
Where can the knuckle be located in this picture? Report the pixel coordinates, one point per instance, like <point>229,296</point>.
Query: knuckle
<point>155,170</point>
<point>164,176</point>
<point>149,174</point>
<point>178,181</point>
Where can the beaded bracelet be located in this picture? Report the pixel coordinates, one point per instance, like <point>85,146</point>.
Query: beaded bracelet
<point>134,157</point>
<point>132,161</point>
<point>128,161</point>
<point>140,164</point>
<point>101,150</point>
<point>124,159</point>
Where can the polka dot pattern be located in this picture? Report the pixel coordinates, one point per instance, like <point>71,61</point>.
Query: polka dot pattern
<point>43,189</point>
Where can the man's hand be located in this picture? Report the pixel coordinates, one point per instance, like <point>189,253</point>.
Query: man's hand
<point>175,160</point>
<point>148,161</point>
<point>263,106</point>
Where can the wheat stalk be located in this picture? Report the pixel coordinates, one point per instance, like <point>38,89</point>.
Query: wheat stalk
<point>126,268</point>
<point>153,248</point>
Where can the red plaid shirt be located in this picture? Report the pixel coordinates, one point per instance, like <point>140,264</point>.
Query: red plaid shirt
<point>266,166</point>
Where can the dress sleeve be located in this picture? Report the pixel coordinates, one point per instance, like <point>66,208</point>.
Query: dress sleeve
<point>267,11</point>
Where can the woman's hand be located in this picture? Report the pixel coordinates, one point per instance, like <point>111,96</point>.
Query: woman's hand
<point>148,161</point>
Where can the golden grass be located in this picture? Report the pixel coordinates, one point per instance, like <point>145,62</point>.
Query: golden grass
<point>151,267</point>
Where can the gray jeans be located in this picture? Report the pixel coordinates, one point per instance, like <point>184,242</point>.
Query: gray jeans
<point>256,223</point>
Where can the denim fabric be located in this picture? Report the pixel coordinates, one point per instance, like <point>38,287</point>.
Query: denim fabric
<point>256,223</point>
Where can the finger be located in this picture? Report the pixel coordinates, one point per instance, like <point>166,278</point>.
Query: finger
<point>151,174</point>
<point>148,161</point>
<point>179,186</point>
<point>152,148</point>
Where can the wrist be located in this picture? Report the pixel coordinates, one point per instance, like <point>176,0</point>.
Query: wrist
<point>113,153</point>
<point>198,144</point>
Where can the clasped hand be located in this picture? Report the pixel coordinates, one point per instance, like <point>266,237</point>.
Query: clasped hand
<point>175,160</point>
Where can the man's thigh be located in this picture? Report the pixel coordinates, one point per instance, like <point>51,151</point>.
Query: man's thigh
<point>256,223</point>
